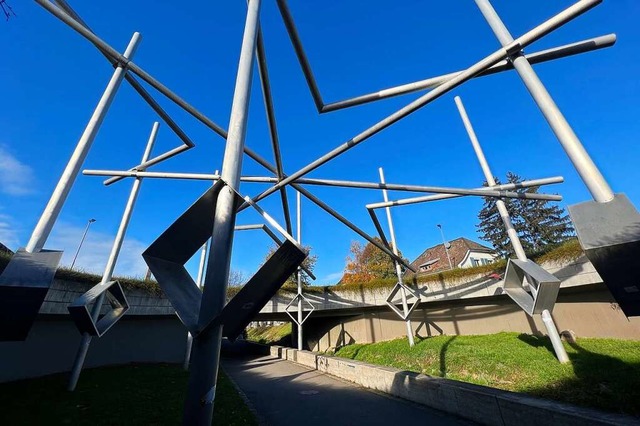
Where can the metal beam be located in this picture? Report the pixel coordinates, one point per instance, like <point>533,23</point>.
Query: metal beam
<point>517,45</point>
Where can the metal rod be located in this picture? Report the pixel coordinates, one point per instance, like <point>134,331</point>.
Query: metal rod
<point>351,226</point>
<point>559,52</point>
<point>132,80</point>
<point>552,331</point>
<point>302,57</point>
<point>84,235</point>
<point>538,32</point>
<point>324,182</point>
<point>61,192</point>
<point>273,236</point>
<point>206,346</point>
<point>501,206</point>
<point>203,261</point>
<point>444,244</point>
<point>299,273</point>
<point>158,159</point>
<point>584,165</point>
<point>394,245</point>
<point>263,72</point>
<point>502,187</point>
<point>104,47</point>
<point>534,58</point>
<point>111,264</point>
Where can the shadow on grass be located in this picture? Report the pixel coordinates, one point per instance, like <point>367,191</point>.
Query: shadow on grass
<point>600,381</point>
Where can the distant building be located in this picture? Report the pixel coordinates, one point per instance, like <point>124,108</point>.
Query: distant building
<point>463,252</point>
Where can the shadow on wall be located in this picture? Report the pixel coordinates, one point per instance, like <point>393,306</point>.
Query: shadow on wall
<point>611,382</point>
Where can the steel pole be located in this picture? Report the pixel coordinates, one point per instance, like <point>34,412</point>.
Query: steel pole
<point>300,316</point>
<point>502,207</point>
<point>205,352</point>
<point>584,165</point>
<point>444,244</point>
<point>84,235</point>
<point>203,261</point>
<point>531,36</point>
<point>111,264</point>
<point>60,193</point>
<point>552,331</point>
<point>394,246</point>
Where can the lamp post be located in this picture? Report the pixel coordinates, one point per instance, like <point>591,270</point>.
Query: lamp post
<point>84,235</point>
<point>444,243</point>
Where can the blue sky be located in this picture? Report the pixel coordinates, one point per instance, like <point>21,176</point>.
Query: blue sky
<point>52,78</point>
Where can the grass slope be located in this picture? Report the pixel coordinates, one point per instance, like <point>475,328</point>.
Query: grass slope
<point>271,335</point>
<point>604,373</point>
<point>124,395</point>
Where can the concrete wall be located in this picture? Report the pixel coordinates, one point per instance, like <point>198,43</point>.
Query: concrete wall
<point>481,404</point>
<point>589,312</point>
<point>149,332</point>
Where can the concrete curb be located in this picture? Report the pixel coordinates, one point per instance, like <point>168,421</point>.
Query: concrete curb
<point>485,405</point>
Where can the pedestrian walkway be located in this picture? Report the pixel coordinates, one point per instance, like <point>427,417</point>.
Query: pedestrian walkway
<point>284,393</point>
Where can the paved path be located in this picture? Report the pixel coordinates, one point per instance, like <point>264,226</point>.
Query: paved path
<point>284,393</point>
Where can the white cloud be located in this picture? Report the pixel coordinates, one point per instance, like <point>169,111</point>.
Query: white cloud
<point>16,178</point>
<point>95,250</point>
<point>8,232</point>
<point>332,278</point>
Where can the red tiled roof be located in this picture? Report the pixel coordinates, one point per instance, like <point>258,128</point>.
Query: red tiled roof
<point>436,256</point>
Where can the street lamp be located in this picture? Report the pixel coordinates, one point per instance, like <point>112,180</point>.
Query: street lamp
<point>446,245</point>
<point>86,229</point>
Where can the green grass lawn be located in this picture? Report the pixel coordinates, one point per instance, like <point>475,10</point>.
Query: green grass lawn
<point>124,395</point>
<point>271,335</point>
<point>604,373</point>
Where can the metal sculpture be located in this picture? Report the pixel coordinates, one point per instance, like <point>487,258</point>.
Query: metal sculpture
<point>213,216</point>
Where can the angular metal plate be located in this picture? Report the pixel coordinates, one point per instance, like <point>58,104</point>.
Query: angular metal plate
<point>24,284</point>
<point>609,233</point>
<point>544,286</point>
<point>242,308</point>
<point>80,309</point>
<point>167,255</point>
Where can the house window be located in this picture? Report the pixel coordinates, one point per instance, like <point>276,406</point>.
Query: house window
<point>475,262</point>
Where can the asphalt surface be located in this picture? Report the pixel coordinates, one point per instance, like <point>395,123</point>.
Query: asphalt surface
<point>284,393</point>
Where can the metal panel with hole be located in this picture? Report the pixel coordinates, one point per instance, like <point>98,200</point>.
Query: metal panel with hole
<point>80,309</point>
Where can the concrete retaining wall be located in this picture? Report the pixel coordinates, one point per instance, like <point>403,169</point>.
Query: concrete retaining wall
<point>481,404</point>
<point>149,332</point>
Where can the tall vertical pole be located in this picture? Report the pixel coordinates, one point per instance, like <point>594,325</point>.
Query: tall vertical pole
<point>444,244</point>
<point>52,211</point>
<point>299,274</point>
<point>205,352</point>
<point>586,168</point>
<point>392,233</point>
<point>502,208</point>
<point>111,263</point>
<point>84,235</point>
<point>552,331</point>
<point>203,261</point>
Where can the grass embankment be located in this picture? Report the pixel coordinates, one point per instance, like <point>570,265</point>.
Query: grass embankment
<point>79,276</point>
<point>125,395</point>
<point>271,335</point>
<point>604,373</point>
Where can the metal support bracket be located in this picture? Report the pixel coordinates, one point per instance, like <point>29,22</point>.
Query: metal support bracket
<point>24,284</point>
<point>410,292</point>
<point>243,307</point>
<point>294,302</point>
<point>530,286</point>
<point>80,308</point>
